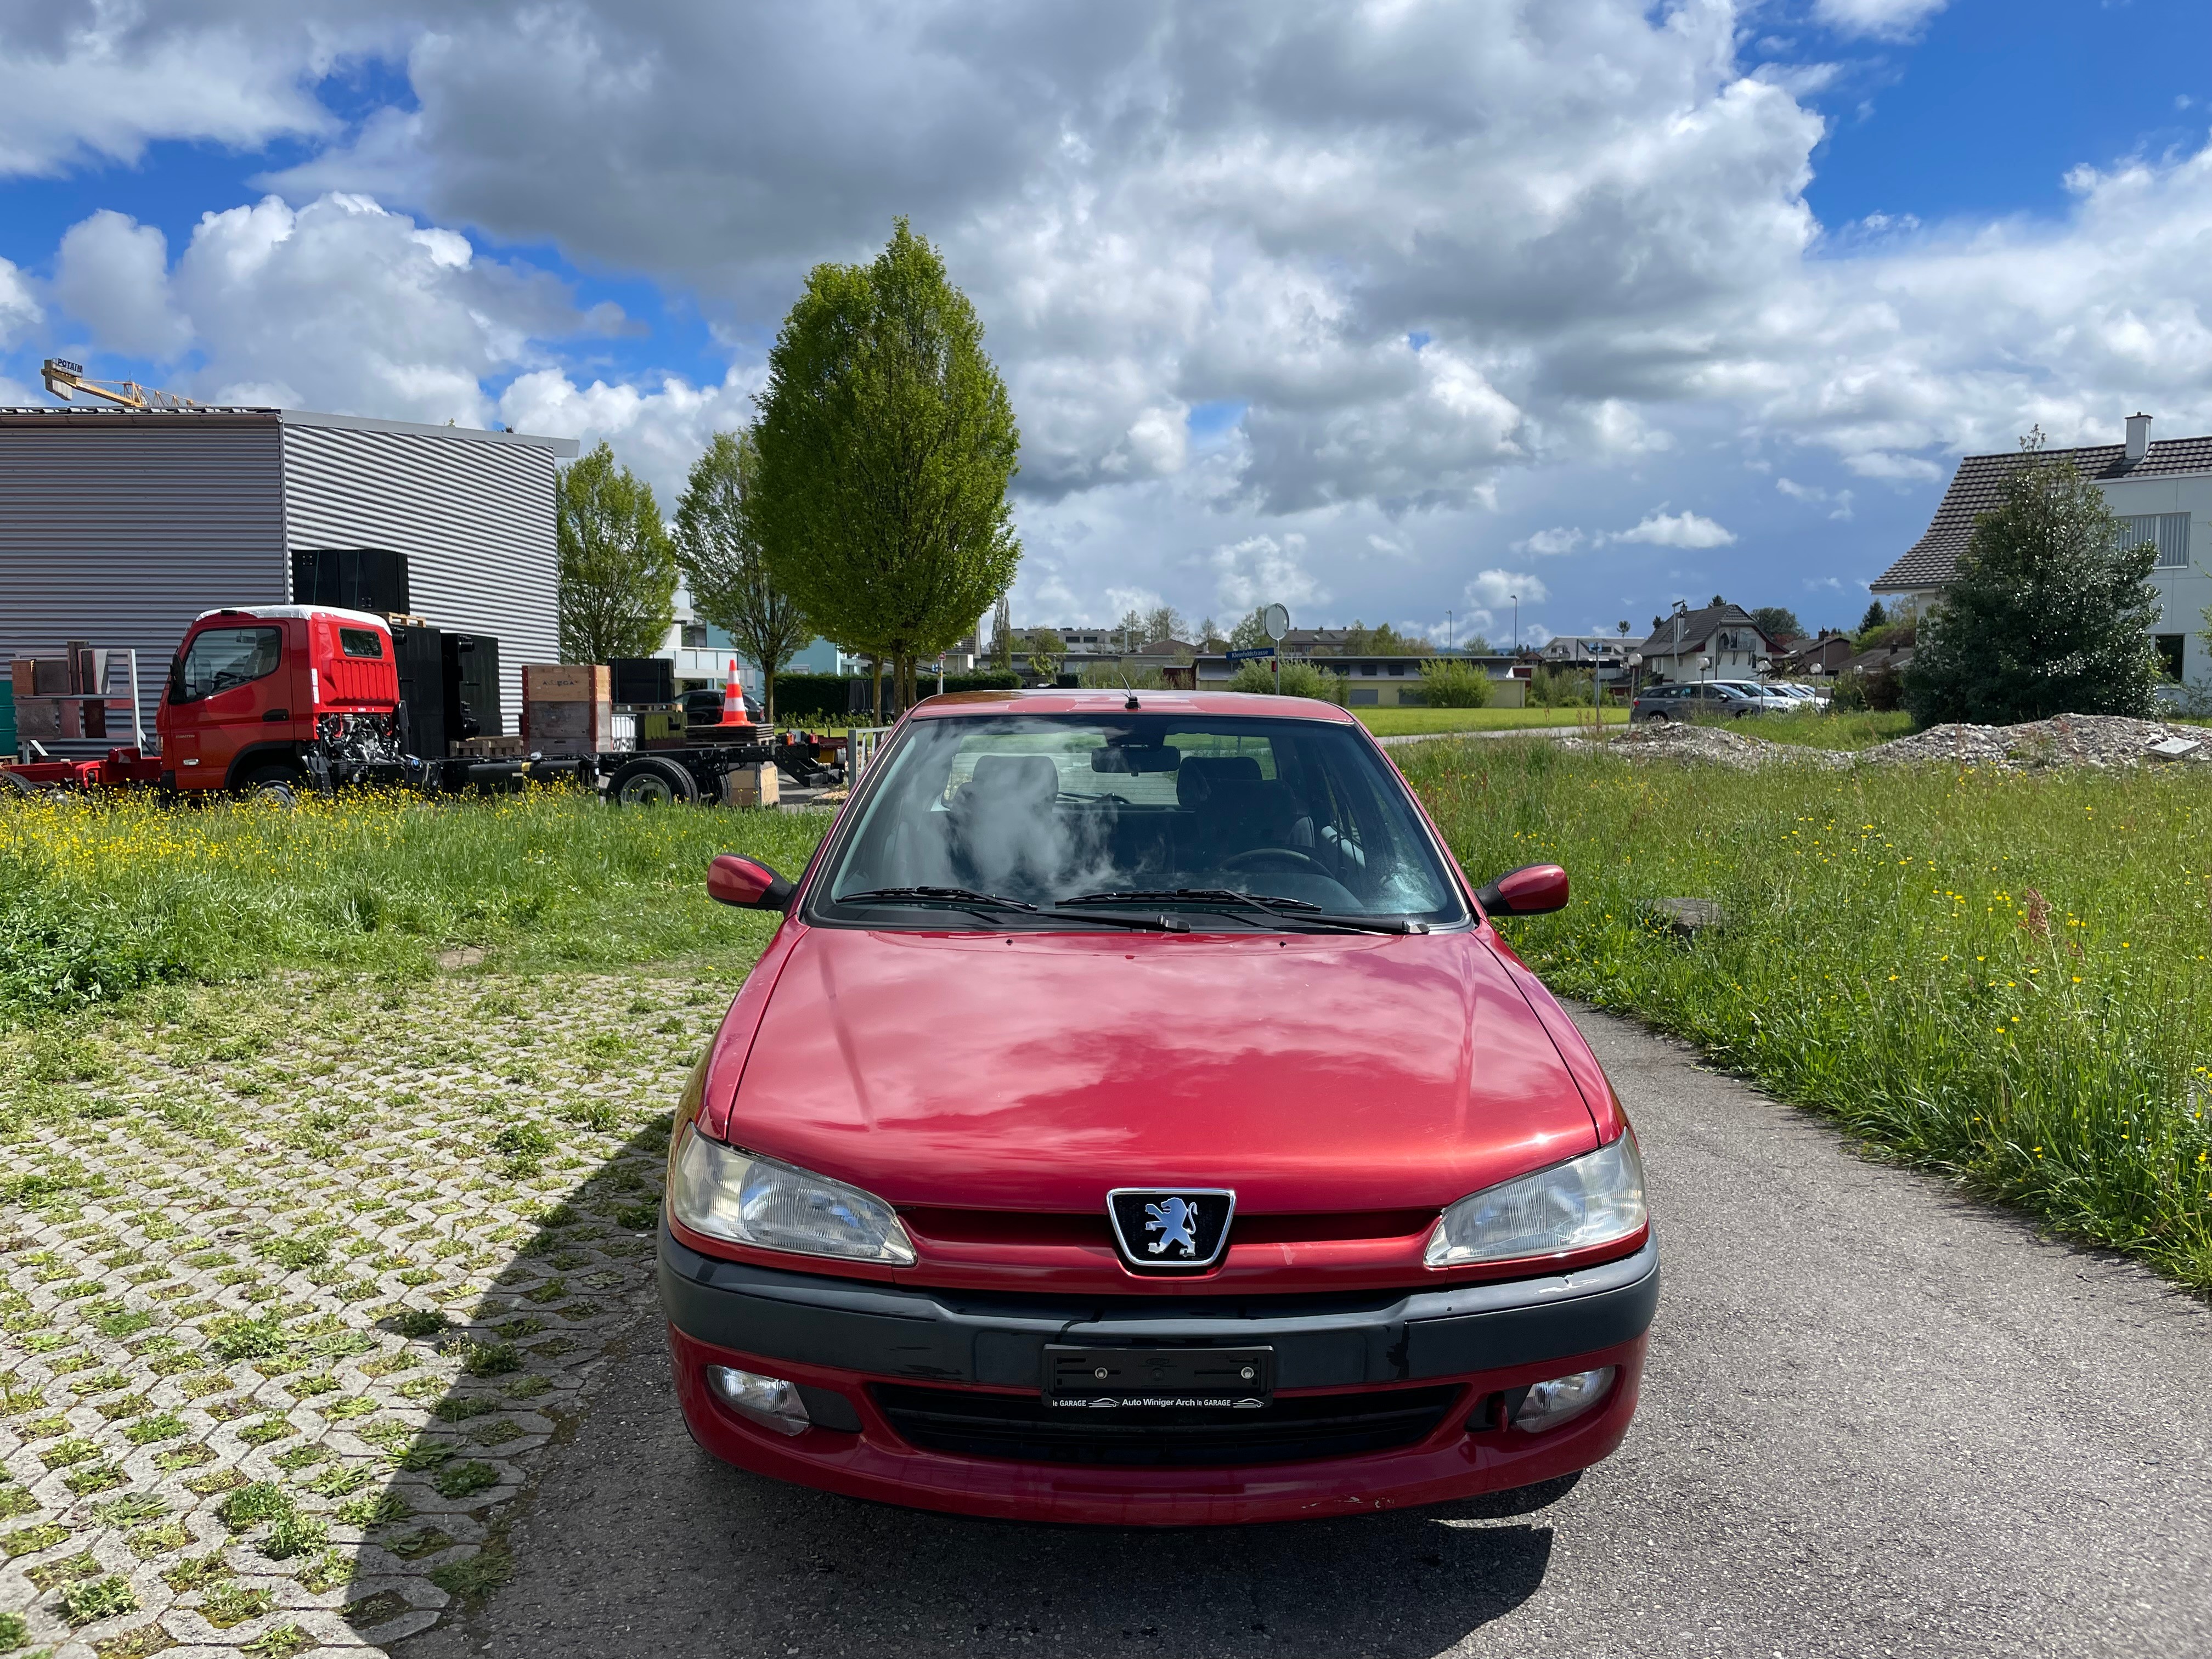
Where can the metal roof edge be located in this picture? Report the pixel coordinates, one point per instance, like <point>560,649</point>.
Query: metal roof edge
<point>565,448</point>
<point>254,414</point>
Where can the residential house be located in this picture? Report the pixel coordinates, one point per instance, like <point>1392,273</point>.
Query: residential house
<point>2162,492</point>
<point>1716,642</point>
<point>1605,654</point>
<point>1828,654</point>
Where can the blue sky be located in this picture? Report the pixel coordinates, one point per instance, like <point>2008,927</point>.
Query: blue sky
<point>1386,315</point>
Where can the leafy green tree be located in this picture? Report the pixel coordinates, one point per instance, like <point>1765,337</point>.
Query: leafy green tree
<point>1249,635</point>
<point>1165,621</point>
<point>2050,613</point>
<point>1449,683</point>
<point>1778,623</point>
<point>617,565</point>
<point>886,444</point>
<point>718,549</point>
<point>1047,652</point>
<point>1875,618</point>
<point>1211,639</point>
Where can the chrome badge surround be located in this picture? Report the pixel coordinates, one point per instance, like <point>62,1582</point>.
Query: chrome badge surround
<point>1171,1211</point>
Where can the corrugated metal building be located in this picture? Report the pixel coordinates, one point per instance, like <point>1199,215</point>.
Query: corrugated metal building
<point>120,527</point>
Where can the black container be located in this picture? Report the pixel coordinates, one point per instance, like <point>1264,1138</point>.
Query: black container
<point>372,579</point>
<point>419,655</point>
<point>471,666</point>
<point>641,679</point>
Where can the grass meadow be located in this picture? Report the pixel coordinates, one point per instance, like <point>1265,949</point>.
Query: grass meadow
<point>2004,976</point>
<point>97,900</point>
<point>1407,722</point>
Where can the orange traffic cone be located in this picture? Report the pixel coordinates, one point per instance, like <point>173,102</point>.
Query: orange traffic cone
<point>733,700</point>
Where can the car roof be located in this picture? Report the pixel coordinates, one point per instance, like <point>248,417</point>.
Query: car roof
<point>1089,700</point>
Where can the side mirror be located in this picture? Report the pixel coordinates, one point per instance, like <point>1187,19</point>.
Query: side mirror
<point>746,882</point>
<point>1531,890</point>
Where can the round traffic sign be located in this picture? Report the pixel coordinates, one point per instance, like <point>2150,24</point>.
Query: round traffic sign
<point>1274,623</point>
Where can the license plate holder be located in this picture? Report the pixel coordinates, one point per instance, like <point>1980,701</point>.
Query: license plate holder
<point>1141,1379</point>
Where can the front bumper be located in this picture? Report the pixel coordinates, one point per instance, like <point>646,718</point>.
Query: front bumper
<point>836,1338</point>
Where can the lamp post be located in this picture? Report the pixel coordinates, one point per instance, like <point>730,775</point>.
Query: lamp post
<point>1635,662</point>
<point>1517,624</point>
<point>1450,629</point>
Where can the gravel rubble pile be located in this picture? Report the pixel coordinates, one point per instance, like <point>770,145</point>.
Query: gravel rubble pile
<point>2099,740</point>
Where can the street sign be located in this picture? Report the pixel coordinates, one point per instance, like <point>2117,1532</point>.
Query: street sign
<point>1275,622</point>
<point>1258,653</point>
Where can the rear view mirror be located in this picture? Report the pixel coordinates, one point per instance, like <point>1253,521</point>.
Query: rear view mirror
<point>746,883</point>
<point>1531,890</point>
<point>1131,758</point>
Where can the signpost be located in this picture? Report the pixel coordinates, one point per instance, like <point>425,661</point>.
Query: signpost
<point>1275,623</point>
<point>1258,653</point>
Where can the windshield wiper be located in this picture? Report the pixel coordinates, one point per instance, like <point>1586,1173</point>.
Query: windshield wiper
<point>933,895</point>
<point>1267,904</point>
<point>986,904</point>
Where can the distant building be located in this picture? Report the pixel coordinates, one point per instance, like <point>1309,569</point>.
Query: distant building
<point>121,525</point>
<point>1387,682</point>
<point>2162,492</point>
<point>1715,642</point>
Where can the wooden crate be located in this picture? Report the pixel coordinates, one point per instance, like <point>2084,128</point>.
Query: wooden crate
<point>751,786</point>
<point>563,681</point>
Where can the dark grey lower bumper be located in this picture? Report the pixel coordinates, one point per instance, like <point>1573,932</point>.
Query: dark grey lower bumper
<point>994,1339</point>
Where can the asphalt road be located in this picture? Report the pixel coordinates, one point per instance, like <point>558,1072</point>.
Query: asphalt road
<point>1877,1420</point>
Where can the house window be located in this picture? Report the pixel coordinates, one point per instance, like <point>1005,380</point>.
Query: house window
<point>2168,532</point>
<point>1398,669</point>
<point>694,636</point>
<point>1362,696</point>
<point>2170,647</point>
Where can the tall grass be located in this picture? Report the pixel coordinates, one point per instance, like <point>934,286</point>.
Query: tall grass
<point>98,899</point>
<point>2007,977</point>
<point>1410,719</point>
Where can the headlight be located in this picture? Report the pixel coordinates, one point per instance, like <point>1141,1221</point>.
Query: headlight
<point>726,1194</point>
<point>1587,1200</point>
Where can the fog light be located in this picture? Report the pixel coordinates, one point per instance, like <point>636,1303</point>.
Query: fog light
<point>1549,1404</point>
<point>768,1401</point>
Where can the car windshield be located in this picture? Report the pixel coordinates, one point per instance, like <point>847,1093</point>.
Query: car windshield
<point>1191,811</point>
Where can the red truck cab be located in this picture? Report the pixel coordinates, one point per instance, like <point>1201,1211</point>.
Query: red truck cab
<point>258,695</point>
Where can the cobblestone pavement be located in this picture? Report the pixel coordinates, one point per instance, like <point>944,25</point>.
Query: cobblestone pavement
<point>300,1278</point>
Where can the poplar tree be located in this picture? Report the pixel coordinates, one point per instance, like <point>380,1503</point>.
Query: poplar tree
<point>887,443</point>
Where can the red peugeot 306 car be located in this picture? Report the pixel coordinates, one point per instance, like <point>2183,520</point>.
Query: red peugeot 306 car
<point>1136,1119</point>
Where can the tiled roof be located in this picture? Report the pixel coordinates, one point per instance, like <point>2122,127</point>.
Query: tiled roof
<point>1978,483</point>
<point>1687,629</point>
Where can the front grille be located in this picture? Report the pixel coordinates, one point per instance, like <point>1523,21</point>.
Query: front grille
<point>1294,1429</point>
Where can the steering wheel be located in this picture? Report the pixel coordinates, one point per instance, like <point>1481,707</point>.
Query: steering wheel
<point>1284,858</point>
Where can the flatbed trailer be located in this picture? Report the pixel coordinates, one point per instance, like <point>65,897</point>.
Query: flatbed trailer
<point>277,700</point>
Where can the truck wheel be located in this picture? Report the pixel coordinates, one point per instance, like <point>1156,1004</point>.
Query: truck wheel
<point>651,781</point>
<point>13,788</point>
<point>273,786</point>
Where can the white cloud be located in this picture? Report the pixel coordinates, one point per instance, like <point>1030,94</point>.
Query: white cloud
<point>1838,501</point>
<point>112,275</point>
<point>1265,570</point>
<point>1885,19</point>
<point>1683,529</point>
<point>19,307</point>
<point>1556,540</point>
<point>1494,589</point>
<point>99,82</point>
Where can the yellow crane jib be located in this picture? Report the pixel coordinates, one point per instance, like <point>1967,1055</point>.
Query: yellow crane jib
<point>63,376</point>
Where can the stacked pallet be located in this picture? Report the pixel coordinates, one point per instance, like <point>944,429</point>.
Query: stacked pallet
<point>568,709</point>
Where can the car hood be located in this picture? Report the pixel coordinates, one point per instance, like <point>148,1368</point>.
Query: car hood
<point>1312,1073</point>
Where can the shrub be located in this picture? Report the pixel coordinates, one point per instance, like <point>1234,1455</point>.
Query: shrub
<point>1299,679</point>
<point>1450,683</point>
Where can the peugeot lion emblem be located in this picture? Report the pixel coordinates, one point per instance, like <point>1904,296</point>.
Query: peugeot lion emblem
<point>1169,1230</point>
<point>1173,1221</point>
